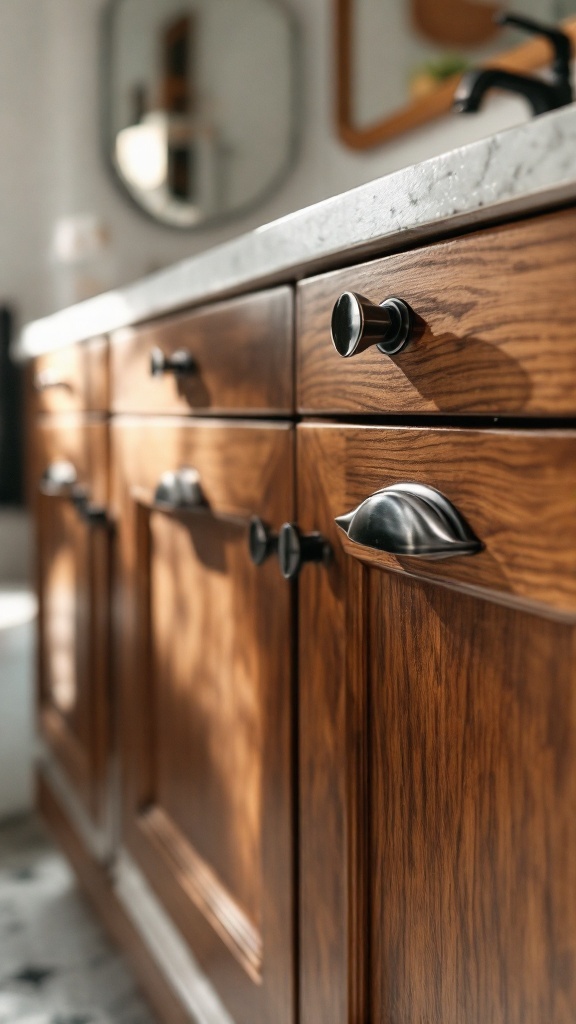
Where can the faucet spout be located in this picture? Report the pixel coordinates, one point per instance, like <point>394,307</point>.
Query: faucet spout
<point>542,96</point>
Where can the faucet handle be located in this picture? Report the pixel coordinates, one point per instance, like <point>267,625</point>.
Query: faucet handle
<point>561,42</point>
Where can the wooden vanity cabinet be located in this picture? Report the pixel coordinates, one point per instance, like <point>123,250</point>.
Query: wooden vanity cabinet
<point>73,552</point>
<point>205,654</point>
<point>349,798</point>
<point>437,767</point>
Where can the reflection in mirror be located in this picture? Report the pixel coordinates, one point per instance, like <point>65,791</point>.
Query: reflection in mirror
<point>396,59</point>
<point>200,104</point>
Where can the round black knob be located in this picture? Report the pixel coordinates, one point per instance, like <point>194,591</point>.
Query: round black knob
<point>181,363</point>
<point>358,323</point>
<point>261,541</point>
<point>94,515</point>
<point>295,548</point>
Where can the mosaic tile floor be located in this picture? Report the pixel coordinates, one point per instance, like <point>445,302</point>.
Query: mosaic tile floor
<point>56,964</point>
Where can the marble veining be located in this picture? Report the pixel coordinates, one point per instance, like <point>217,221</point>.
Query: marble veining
<point>526,168</point>
<point>56,964</point>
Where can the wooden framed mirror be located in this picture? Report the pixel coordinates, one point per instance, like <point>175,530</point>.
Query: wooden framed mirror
<point>398,64</point>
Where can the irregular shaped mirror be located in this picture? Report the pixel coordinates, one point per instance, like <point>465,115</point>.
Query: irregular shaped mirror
<point>200,98</point>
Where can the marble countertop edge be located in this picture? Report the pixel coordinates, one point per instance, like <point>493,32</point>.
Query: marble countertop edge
<point>522,170</point>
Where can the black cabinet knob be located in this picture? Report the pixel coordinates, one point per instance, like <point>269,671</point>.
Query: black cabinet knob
<point>93,515</point>
<point>358,323</point>
<point>261,541</point>
<point>295,548</point>
<point>180,363</point>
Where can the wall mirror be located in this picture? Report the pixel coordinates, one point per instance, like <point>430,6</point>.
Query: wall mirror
<point>199,104</point>
<point>398,63</point>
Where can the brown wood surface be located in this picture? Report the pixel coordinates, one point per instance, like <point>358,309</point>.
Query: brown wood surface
<point>96,886</point>
<point>516,490</point>
<point>205,669</point>
<point>455,23</point>
<point>535,53</point>
<point>495,329</point>
<point>472,809</point>
<point>437,785</point>
<point>243,349</point>
<point>79,376</point>
<point>73,574</point>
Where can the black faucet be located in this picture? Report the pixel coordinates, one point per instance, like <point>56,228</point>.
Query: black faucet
<point>541,95</point>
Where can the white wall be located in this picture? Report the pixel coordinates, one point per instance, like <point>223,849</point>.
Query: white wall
<point>51,164</point>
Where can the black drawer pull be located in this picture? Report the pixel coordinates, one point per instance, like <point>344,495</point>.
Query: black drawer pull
<point>358,323</point>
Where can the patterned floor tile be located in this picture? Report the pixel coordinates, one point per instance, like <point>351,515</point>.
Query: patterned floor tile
<point>56,964</point>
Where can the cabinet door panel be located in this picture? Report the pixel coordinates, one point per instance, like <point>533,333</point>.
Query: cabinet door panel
<point>206,677</point>
<point>73,562</point>
<point>437,779</point>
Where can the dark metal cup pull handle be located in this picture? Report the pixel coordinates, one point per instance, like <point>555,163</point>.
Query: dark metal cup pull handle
<point>60,480</point>
<point>44,380</point>
<point>179,490</point>
<point>410,519</point>
<point>180,363</point>
<point>262,542</point>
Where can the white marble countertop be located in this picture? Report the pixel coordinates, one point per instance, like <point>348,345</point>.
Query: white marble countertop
<point>524,169</point>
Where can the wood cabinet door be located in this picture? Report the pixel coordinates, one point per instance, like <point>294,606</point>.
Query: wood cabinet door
<point>73,583</point>
<point>205,669</point>
<point>438,737</point>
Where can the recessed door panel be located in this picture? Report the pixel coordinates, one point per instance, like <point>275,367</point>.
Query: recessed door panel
<point>207,693</point>
<point>73,558</point>
<point>437,740</point>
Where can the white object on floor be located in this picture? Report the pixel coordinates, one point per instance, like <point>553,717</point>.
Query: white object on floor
<point>17,646</point>
<point>56,964</point>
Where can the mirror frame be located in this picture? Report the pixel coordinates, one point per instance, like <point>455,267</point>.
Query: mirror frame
<point>533,54</point>
<point>294,133</point>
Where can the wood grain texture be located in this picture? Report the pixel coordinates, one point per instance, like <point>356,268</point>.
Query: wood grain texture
<point>517,491</point>
<point>334,928</point>
<point>472,809</point>
<point>243,349</point>
<point>74,589</point>
<point>205,671</point>
<point>78,375</point>
<point>495,328</point>
<point>96,886</point>
<point>437,789</point>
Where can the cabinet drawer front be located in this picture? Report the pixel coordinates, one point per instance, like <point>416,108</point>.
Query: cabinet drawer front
<point>239,353</point>
<point>516,491</point>
<point>493,328</point>
<point>73,379</point>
